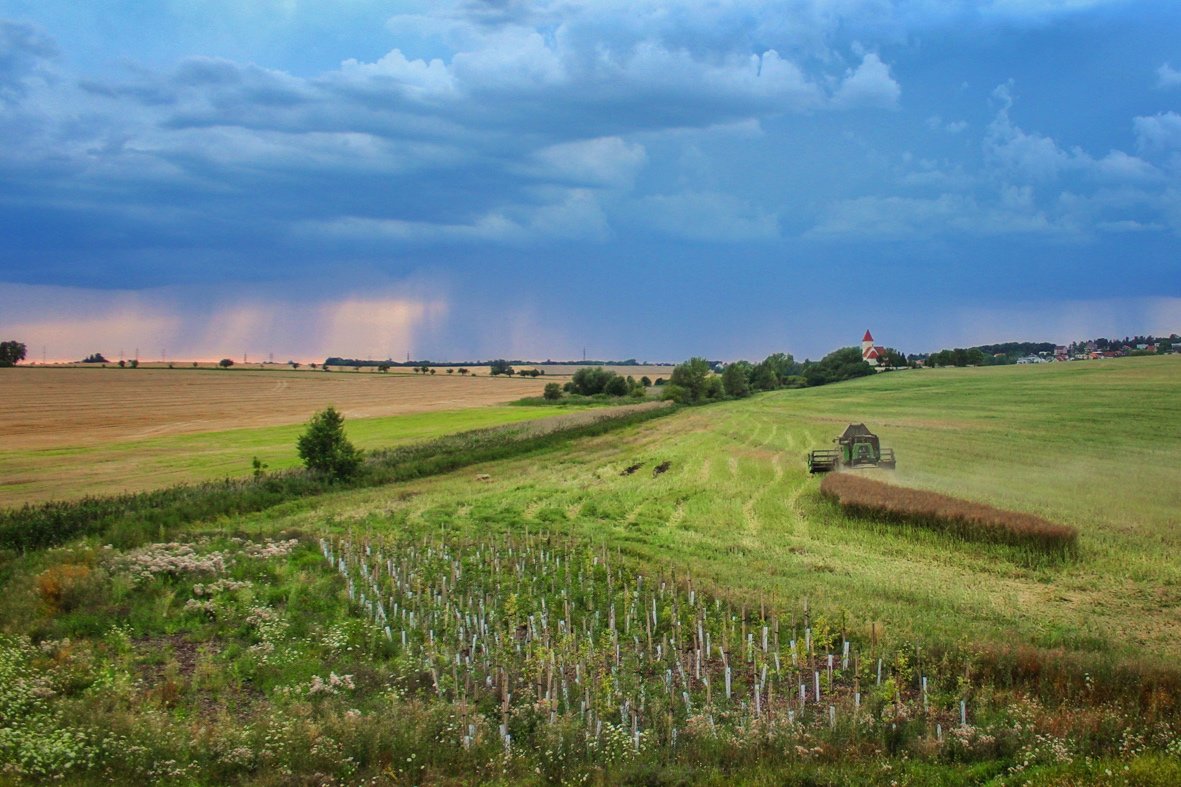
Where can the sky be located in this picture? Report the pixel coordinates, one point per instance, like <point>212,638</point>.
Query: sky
<point>629,178</point>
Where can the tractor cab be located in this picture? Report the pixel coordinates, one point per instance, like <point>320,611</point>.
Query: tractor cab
<point>859,446</point>
<point>856,448</point>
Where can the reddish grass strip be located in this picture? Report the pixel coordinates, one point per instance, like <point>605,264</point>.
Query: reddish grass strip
<point>861,496</point>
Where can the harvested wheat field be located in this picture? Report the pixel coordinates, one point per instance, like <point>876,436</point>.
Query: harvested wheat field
<point>53,408</point>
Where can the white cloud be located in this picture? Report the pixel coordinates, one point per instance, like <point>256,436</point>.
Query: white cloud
<point>869,85</point>
<point>1167,76</point>
<point>1158,132</point>
<point>605,161</point>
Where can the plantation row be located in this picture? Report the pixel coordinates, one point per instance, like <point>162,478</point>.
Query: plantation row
<point>504,627</point>
<point>864,497</point>
<point>534,659</point>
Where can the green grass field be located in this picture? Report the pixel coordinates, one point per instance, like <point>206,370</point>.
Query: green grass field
<point>33,475</point>
<point>1093,445</point>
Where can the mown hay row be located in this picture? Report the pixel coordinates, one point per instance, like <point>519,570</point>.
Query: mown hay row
<point>865,497</point>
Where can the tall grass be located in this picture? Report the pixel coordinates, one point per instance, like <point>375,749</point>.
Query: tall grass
<point>865,497</point>
<point>133,518</point>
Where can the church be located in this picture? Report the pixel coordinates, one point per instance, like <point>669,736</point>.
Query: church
<point>871,353</point>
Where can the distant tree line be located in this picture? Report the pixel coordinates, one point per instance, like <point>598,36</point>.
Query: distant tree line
<point>696,381</point>
<point>1009,352</point>
<point>349,362</point>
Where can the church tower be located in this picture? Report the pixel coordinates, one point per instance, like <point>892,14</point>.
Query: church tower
<point>866,343</point>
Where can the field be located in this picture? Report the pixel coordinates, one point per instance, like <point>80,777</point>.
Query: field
<point>60,408</point>
<point>449,627</point>
<point>79,432</point>
<point>1095,446</point>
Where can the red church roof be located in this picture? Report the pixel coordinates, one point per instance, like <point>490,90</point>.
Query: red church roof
<point>867,337</point>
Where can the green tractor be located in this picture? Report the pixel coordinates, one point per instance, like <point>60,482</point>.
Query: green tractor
<point>857,448</point>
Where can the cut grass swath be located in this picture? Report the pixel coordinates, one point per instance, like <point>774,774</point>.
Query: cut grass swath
<point>865,497</point>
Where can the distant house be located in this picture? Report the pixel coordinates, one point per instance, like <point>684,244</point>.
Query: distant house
<point>1032,359</point>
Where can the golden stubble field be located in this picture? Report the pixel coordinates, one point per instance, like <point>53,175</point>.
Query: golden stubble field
<point>63,407</point>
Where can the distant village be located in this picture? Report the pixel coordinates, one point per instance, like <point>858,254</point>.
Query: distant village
<point>1046,352</point>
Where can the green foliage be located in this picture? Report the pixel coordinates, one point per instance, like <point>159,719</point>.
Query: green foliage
<point>498,367</point>
<point>736,379</point>
<point>591,380</point>
<point>12,352</point>
<point>553,391</point>
<point>226,363</point>
<point>843,364</point>
<point>324,448</point>
<point>957,357</point>
<point>616,386</point>
<point>691,379</point>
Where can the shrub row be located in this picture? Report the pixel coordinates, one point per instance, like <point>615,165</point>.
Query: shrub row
<point>129,519</point>
<point>865,497</point>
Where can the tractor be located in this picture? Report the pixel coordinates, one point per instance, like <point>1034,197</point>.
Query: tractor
<point>857,448</point>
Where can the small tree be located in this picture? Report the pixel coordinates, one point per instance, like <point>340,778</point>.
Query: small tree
<point>736,379</point>
<point>553,392</point>
<point>616,386</point>
<point>12,352</point>
<point>690,378</point>
<point>324,448</point>
<point>226,363</point>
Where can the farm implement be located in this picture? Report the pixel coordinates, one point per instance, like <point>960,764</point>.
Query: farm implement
<point>857,448</point>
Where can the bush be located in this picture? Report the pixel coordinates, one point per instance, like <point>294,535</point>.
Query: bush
<point>616,386</point>
<point>324,448</point>
<point>553,391</point>
<point>592,380</point>
<point>226,363</point>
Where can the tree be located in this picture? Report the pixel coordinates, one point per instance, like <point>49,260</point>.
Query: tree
<point>500,366</point>
<point>690,379</point>
<point>646,381</point>
<point>294,364</point>
<point>591,380</point>
<point>616,386</point>
<point>843,364</point>
<point>226,363</point>
<point>324,448</point>
<point>553,392</point>
<point>736,379</point>
<point>12,352</point>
